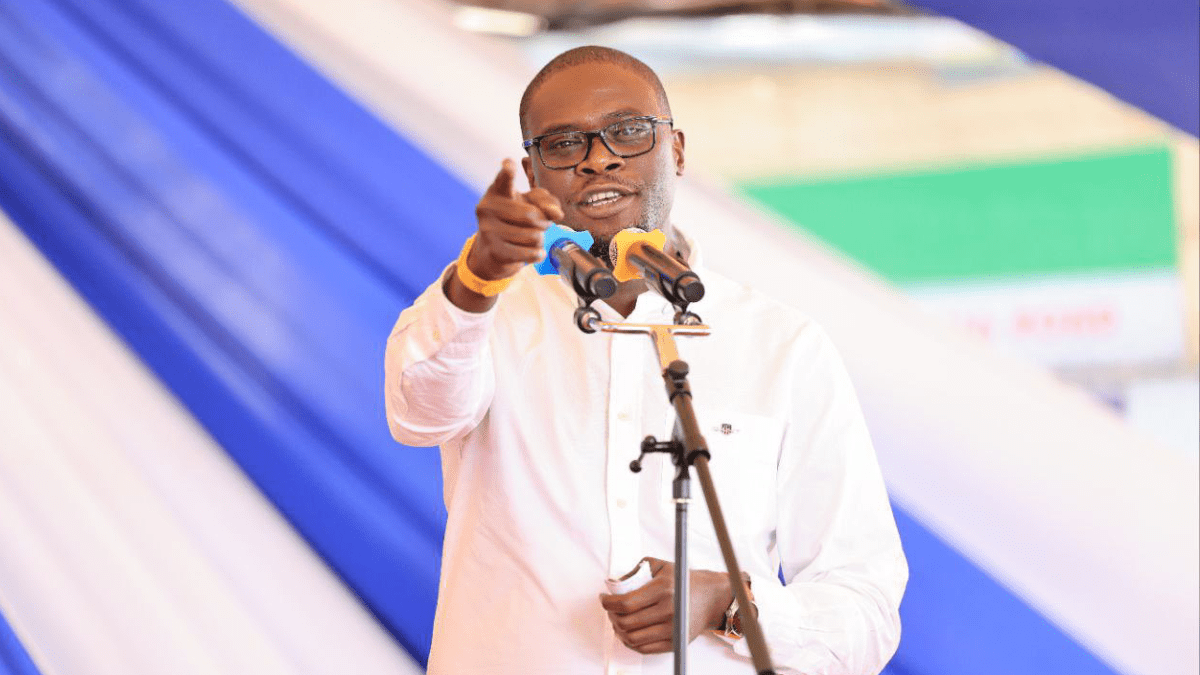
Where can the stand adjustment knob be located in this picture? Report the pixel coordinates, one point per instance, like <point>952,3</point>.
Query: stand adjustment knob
<point>678,369</point>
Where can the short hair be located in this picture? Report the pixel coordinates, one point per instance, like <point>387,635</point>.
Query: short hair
<point>591,54</point>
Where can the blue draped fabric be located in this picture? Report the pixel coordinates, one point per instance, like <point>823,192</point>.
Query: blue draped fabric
<point>1147,53</point>
<point>252,234</point>
<point>957,620</point>
<point>14,660</point>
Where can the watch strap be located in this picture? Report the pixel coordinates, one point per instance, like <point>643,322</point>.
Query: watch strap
<point>731,624</point>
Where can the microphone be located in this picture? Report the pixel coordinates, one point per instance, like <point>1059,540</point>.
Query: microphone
<point>639,254</point>
<point>567,255</point>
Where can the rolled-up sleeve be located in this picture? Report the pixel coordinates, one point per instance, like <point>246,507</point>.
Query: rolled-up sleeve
<point>438,372</point>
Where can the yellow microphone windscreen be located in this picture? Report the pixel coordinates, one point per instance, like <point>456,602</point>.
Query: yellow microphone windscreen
<point>619,250</point>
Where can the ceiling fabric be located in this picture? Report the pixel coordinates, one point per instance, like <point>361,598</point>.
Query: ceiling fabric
<point>1145,53</point>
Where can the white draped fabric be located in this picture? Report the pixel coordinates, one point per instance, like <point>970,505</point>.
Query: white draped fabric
<point>130,544</point>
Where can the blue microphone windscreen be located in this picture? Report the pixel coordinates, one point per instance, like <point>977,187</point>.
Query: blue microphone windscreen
<point>554,234</point>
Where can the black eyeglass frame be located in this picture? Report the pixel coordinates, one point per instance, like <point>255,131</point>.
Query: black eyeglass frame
<point>590,136</point>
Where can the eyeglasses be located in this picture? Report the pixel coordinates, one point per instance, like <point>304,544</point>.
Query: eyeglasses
<point>627,138</point>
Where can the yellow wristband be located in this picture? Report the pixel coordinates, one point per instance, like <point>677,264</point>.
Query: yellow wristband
<point>468,278</point>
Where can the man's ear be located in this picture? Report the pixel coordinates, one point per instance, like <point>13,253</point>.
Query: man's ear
<point>527,165</point>
<point>677,142</point>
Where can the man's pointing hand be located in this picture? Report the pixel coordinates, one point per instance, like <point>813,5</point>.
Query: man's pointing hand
<point>511,227</point>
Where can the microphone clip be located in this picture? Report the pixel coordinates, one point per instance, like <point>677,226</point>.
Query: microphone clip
<point>587,318</point>
<point>685,318</point>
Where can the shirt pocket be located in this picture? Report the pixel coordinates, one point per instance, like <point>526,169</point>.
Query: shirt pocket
<point>745,454</point>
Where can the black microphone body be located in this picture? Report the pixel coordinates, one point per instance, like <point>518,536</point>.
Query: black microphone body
<point>669,277</point>
<point>586,274</point>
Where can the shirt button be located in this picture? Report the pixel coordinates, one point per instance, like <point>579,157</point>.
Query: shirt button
<point>624,417</point>
<point>621,503</point>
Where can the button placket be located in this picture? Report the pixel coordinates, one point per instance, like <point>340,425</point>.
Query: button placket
<point>624,437</point>
<point>624,441</point>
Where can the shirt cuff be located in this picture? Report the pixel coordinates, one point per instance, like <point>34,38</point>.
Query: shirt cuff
<point>776,607</point>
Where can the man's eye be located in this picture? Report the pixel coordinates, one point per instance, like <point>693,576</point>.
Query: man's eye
<point>631,130</point>
<point>560,143</point>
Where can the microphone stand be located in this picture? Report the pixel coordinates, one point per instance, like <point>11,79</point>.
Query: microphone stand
<point>687,448</point>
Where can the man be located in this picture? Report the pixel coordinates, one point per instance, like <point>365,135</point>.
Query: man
<point>537,424</point>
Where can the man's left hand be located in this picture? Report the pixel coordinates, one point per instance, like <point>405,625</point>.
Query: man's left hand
<point>643,618</point>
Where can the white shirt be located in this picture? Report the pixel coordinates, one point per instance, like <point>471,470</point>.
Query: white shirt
<point>537,424</point>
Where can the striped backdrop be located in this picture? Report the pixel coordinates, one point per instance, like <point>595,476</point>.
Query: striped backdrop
<point>213,214</point>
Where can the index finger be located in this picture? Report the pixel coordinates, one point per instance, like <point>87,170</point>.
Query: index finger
<point>548,203</point>
<point>503,186</point>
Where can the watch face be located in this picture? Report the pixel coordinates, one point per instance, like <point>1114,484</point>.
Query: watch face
<point>733,625</point>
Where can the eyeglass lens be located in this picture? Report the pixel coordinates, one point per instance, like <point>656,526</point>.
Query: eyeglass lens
<point>626,138</point>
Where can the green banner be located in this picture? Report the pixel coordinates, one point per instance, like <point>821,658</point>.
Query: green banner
<point>1112,211</point>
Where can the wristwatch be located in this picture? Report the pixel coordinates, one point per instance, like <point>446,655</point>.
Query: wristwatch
<point>731,624</point>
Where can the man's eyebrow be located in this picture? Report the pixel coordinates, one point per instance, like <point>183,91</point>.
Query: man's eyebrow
<point>618,114</point>
<point>614,115</point>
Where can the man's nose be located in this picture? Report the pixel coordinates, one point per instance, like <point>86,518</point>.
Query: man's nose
<point>599,158</point>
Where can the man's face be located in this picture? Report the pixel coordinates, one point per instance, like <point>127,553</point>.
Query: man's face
<point>586,98</point>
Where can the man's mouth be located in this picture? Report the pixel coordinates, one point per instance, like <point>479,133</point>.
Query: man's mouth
<point>602,198</point>
<point>603,202</point>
